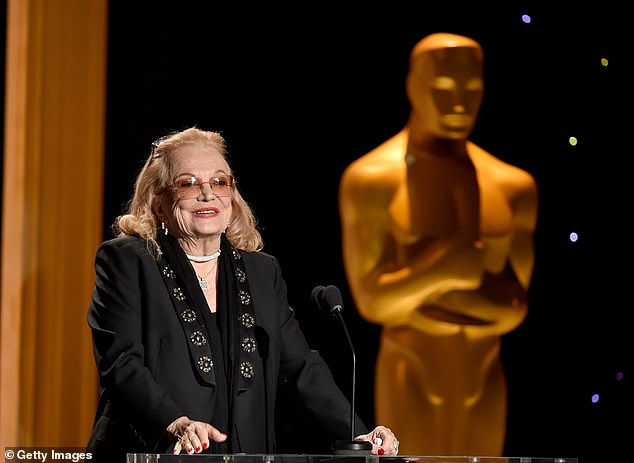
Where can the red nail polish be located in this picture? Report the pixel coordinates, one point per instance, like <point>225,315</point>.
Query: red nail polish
<point>205,445</point>
<point>198,449</point>
<point>381,451</point>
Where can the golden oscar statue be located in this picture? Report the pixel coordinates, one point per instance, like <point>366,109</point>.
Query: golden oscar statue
<point>438,249</point>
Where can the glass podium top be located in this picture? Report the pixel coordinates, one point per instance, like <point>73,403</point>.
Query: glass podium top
<point>346,458</point>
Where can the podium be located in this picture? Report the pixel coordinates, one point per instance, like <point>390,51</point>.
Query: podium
<point>350,458</point>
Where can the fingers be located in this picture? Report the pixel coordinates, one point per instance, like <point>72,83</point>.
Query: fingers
<point>216,435</point>
<point>194,437</point>
<point>190,443</point>
<point>384,441</point>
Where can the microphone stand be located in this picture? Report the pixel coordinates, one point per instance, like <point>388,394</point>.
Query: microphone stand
<point>329,300</point>
<point>342,447</point>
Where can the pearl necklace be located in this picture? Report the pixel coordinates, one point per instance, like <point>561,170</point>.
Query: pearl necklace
<point>203,258</point>
<point>202,281</point>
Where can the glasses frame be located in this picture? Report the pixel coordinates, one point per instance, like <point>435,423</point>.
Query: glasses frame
<point>199,183</point>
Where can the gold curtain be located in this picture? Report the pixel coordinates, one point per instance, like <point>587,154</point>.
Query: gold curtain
<point>54,143</point>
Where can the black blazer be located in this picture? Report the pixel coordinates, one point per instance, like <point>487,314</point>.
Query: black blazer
<point>147,376</point>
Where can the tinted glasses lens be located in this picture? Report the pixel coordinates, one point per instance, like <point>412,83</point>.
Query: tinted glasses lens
<point>191,187</point>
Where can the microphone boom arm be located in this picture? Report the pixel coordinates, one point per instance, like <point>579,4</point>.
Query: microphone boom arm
<point>354,376</point>
<point>329,300</point>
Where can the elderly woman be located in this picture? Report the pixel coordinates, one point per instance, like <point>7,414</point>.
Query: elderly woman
<point>192,330</point>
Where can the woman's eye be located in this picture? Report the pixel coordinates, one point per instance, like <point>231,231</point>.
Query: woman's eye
<point>186,183</point>
<point>220,181</point>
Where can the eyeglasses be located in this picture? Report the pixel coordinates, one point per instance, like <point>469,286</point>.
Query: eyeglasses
<point>189,187</point>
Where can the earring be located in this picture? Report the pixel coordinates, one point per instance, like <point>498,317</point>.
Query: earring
<point>164,228</point>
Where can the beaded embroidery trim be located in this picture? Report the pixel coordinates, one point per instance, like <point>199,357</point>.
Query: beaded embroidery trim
<point>200,348</point>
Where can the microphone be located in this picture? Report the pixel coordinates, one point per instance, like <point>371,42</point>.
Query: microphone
<point>328,299</point>
<point>316,294</point>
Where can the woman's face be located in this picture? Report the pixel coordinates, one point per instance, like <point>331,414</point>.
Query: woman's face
<point>198,205</point>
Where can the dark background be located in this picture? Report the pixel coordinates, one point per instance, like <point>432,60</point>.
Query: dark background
<point>302,90</point>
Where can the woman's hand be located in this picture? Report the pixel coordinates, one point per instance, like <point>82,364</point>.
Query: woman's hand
<point>192,436</point>
<point>383,440</point>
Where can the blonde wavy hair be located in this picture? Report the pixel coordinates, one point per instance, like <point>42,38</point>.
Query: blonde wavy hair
<point>141,218</point>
